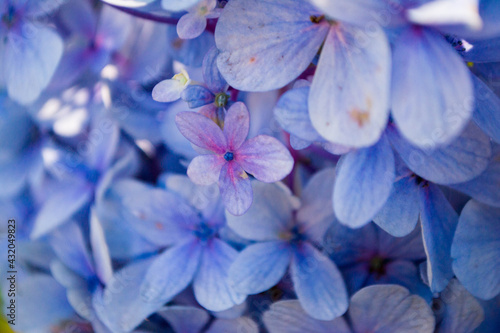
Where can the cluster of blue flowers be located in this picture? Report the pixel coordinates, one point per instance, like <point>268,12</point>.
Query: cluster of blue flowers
<point>189,166</point>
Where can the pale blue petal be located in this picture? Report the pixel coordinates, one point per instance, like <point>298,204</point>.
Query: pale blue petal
<point>241,324</point>
<point>349,98</point>
<point>476,250</point>
<point>464,159</point>
<point>439,222</point>
<point>259,267</point>
<point>316,212</point>
<point>292,114</point>
<point>487,112</point>
<point>185,319</point>
<point>248,61</point>
<point>318,284</point>
<point>269,217</point>
<point>132,3</point>
<point>168,90</point>
<point>73,254</point>
<point>484,187</point>
<point>432,93</point>
<point>235,188</point>
<point>120,305</point>
<point>191,25</point>
<point>210,285</point>
<point>178,5</point>
<point>197,96</point>
<point>390,308</point>
<point>363,183</point>
<point>171,272</point>
<point>70,197</point>
<point>159,216</point>
<point>29,63</point>
<point>100,250</point>
<point>460,311</point>
<point>400,213</point>
<point>289,317</point>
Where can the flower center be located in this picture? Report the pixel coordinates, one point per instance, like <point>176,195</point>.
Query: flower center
<point>221,99</point>
<point>228,156</point>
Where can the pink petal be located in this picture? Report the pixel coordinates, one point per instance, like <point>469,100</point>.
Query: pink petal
<point>235,188</point>
<point>201,131</point>
<point>236,125</point>
<point>205,169</point>
<point>265,158</point>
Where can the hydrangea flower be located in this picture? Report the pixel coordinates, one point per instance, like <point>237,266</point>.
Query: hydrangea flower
<point>284,241</point>
<point>30,51</point>
<point>192,24</point>
<point>228,156</point>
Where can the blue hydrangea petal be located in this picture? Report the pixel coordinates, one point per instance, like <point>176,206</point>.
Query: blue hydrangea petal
<point>191,25</point>
<point>120,306</point>
<point>41,303</point>
<point>266,44</point>
<point>29,63</point>
<point>235,188</point>
<point>476,250</point>
<point>169,90</point>
<point>461,312</point>
<point>363,183</point>
<point>400,213</point>
<point>211,287</point>
<point>292,114</point>
<point>464,159</point>
<point>70,197</point>
<point>390,308</point>
<point>186,319</point>
<point>439,221</point>
<point>259,267</point>
<point>213,78</point>
<point>190,52</point>
<point>289,317</point>
<point>171,272</point>
<point>100,250</point>
<point>432,91</point>
<point>316,212</point>
<point>349,98</point>
<point>269,216</point>
<point>178,5</point>
<point>73,254</point>
<point>409,247</point>
<point>159,216</point>
<point>241,324</point>
<point>197,96</point>
<point>132,3</point>
<point>487,112</point>
<point>318,283</point>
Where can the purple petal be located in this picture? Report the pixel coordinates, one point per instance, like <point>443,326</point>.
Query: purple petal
<point>236,125</point>
<point>265,158</point>
<point>201,131</point>
<point>235,188</point>
<point>191,26</point>
<point>205,169</point>
<point>210,285</point>
<point>253,63</point>
<point>349,98</point>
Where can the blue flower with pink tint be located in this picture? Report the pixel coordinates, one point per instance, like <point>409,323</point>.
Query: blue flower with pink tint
<point>228,157</point>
